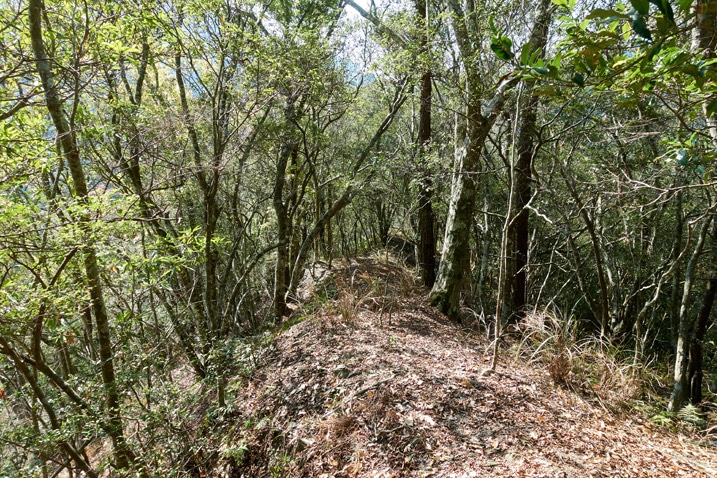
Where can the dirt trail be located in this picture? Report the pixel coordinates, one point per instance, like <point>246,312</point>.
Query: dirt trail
<point>378,384</point>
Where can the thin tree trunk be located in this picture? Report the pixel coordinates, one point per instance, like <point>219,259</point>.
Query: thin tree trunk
<point>675,293</point>
<point>520,231</point>
<point>680,389</point>
<point>604,303</point>
<point>29,376</point>
<point>694,368</point>
<point>68,142</point>
<point>704,42</point>
<point>282,219</point>
<point>426,219</point>
<point>345,198</point>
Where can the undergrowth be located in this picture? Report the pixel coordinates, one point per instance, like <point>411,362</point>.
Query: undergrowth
<point>611,375</point>
<point>589,366</point>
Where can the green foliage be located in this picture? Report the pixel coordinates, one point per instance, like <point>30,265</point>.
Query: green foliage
<point>639,25</point>
<point>237,452</point>
<point>181,209</point>
<point>641,6</point>
<point>501,46</point>
<point>568,4</point>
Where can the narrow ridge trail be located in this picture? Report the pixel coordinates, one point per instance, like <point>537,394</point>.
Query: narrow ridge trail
<point>376,383</point>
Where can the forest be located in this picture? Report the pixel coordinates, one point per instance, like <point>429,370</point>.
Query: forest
<point>171,172</point>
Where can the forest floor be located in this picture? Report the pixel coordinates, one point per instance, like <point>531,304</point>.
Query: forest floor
<point>368,380</point>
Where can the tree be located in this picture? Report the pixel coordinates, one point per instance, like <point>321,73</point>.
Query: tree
<point>480,115</point>
<point>426,219</point>
<point>522,176</point>
<point>476,121</point>
<point>66,137</point>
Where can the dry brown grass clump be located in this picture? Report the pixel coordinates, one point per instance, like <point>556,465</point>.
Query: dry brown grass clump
<point>584,365</point>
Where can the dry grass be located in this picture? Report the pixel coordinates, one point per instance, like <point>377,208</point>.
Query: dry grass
<point>584,365</point>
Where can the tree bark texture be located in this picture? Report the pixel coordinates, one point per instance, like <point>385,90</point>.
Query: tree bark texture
<point>281,273</point>
<point>426,219</point>
<point>523,177</point>
<point>68,144</point>
<point>681,388</point>
<point>694,368</point>
<point>480,118</point>
<point>447,289</point>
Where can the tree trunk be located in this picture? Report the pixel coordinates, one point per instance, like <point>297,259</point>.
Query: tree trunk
<point>602,309</point>
<point>68,144</point>
<point>282,220</point>
<point>705,42</point>
<point>480,118</point>
<point>675,297</point>
<point>7,350</point>
<point>520,231</point>
<point>447,289</point>
<point>346,196</point>
<point>681,389</point>
<point>694,368</point>
<point>426,219</point>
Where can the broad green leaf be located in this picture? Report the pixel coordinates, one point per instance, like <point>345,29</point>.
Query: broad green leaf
<point>685,5</point>
<point>640,27</point>
<point>682,157</point>
<point>620,63</point>
<point>549,90</point>
<point>665,8</point>
<point>525,54</point>
<point>663,25</point>
<point>557,60</point>
<point>501,46</point>
<point>653,50</point>
<point>561,3</point>
<point>579,80</point>
<point>642,6</point>
<point>712,108</point>
<point>691,70</point>
<point>669,12</point>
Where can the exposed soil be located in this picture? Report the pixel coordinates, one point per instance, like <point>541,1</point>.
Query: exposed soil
<point>376,383</point>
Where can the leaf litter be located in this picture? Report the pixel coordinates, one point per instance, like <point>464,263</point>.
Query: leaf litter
<point>376,383</point>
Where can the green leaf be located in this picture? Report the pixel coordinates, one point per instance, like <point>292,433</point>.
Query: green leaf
<point>691,70</point>
<point>557,60</point>
<point>561,3</point>
<point>540,70</point>
<point>501,46</point>
<point>669,13</point>
<point>549,90</point>
<point>579,80</point>
<point>642,6</point>
<point>663,25</point>
<point>525,54</point>
<point>712,108</point>
<point>640,27</point>
<point>682,157</point>
<point>665,8</point>
<point>654,50</point>
<point>685,5</point>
